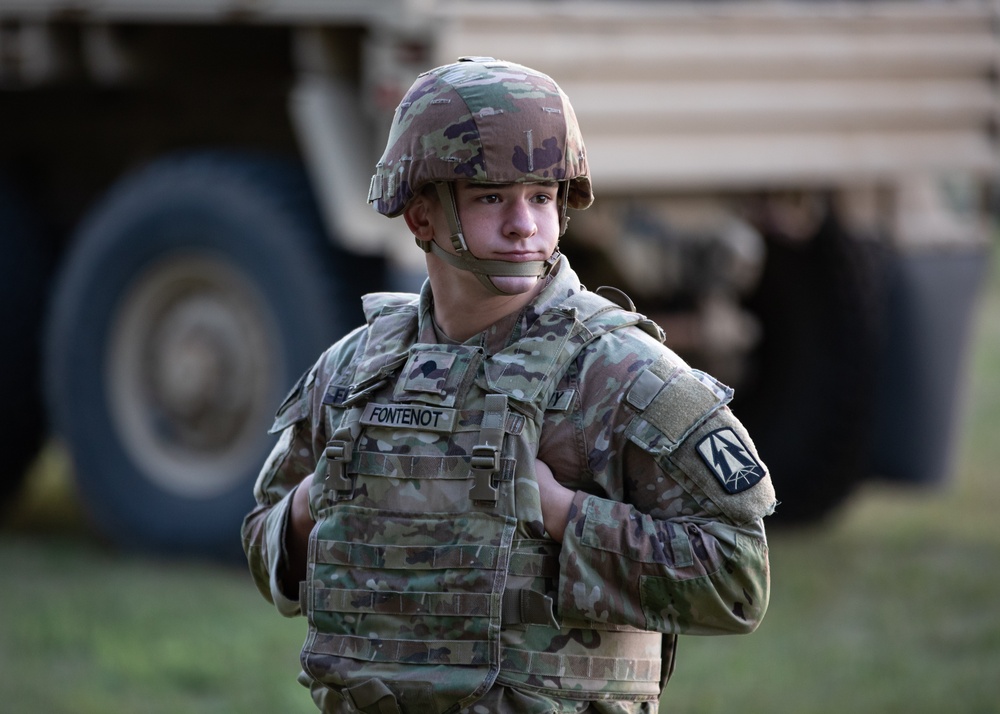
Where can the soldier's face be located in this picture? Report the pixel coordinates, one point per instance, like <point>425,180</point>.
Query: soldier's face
<point>509,222</point>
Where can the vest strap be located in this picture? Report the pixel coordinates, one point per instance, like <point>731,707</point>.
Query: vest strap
<point>373,696</point>
<point>361,648</point>
<point>586,667</point>
<point>396,603</point>
<point>339,451</point>
<point>519,607</point>
<point>527,607</point>
<point>430,467</point>
<point>535,565</point>
<point>338,454</point>
<point>408,557</point>
<point>486,454</point>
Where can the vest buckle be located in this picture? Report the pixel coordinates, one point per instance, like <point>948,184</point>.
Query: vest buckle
<point>486,456</point>
<point>485,462</point>
<point>338,453</point>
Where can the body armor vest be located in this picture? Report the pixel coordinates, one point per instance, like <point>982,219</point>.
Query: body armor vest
<point>430,578</point>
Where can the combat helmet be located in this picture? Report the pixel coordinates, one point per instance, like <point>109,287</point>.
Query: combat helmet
<point>489,121</point>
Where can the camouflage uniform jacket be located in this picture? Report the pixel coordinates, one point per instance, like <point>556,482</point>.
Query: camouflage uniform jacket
<point>665,532</point>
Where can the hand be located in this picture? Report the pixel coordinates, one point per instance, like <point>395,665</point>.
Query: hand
<point>556,501</point>
<point>300,525</point>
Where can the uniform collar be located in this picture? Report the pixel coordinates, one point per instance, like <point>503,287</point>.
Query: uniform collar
<point>560,284</point>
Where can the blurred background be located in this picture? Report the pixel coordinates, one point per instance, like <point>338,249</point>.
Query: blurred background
<point>802,193</point>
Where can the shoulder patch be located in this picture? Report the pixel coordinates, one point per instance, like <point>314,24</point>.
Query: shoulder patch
<point>728,458</point>
<point>720,460</point>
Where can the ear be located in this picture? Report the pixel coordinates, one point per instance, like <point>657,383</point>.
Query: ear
<point>418,218</point>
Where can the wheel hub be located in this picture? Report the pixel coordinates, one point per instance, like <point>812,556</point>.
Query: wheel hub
<point>190,374</point>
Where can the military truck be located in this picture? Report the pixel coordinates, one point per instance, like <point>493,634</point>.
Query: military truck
<point>800,192</point>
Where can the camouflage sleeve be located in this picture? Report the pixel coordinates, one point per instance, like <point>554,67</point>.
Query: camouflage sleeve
<point>673,538</point>
<point>265,526</point>
<point>292,459</point>
<point>299,421</point>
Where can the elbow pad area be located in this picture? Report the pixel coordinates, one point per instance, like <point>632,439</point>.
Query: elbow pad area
<point>730,600</point>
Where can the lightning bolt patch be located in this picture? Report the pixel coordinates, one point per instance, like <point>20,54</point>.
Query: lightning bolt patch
<point>732,463</point>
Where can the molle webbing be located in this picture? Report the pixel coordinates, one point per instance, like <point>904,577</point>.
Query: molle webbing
<point>487,465</point>
<point>520,607</point>
<point>384,650</point>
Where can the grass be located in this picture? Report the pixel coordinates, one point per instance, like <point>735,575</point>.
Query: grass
<point>86,630</point>
<point>890,607</point>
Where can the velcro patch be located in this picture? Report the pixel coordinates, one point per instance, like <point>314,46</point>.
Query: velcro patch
<point>427,371</point>
<point>729,460</point>
<point>677,406</point>
<point>336,394</point>
<point>561,400</point>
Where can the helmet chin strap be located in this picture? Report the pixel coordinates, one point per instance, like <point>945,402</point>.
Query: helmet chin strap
<point>463,259</point>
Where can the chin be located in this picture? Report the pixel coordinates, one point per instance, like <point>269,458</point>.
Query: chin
<point>515,285</point>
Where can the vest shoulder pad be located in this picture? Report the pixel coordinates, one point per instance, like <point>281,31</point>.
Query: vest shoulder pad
<point>374,303</point>
<point>335,363</point>
<point>601,314</point>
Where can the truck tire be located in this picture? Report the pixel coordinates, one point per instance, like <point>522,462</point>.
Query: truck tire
<point>810,404</point>
<point>23,285</point>
<point>195,294</point>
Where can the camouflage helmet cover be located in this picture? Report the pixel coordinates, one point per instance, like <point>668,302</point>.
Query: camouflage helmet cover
<point>482,120</point>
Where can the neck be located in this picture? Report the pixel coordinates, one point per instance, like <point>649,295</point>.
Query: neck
<point>463,307</point>
<point>461,317</point>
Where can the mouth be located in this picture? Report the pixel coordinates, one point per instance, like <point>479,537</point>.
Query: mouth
<point>520,256</point>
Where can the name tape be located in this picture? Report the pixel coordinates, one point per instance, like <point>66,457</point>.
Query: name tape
<point>410,416</point>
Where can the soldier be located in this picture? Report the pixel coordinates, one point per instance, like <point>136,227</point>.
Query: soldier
<point>504,494</point>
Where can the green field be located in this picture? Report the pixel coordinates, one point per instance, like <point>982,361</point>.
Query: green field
<point>891,607</point>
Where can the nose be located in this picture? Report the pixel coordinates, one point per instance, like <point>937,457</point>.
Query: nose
<point>519,219</point>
